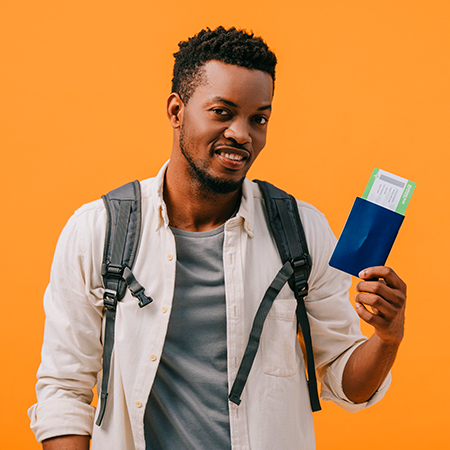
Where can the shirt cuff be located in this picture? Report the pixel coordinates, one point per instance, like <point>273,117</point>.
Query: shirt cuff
<point>331,388</point>
<point>61,417</point>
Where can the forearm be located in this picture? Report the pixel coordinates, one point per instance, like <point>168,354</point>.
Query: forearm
<point>380,302</point>
<point>367,368</point>
<point>72,442</point>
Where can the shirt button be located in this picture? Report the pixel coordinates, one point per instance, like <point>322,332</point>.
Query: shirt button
<point>138,404</point>
<point>249,228</point>
<point>170,256</point>
<point>153,357</point>
<point>164,309</point>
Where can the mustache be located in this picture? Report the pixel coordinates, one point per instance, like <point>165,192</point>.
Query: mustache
<point>235,145</point>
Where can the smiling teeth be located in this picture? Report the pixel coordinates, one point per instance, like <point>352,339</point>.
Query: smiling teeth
<point>232,156</point>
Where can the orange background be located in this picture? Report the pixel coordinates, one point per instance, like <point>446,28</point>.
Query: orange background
<point>360,84</point>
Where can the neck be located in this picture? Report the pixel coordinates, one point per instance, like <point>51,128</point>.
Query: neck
<point>193,207</point>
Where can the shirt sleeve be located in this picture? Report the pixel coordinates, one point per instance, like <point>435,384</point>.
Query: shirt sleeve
<point>72,348</point>
<point>332,385</point>
<point>335,326</point>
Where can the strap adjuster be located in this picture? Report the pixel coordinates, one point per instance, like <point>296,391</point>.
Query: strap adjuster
<point>109,299</point>
<point>299,265</point>
<point>112,270</point>
<point>301,288</point>
<point>304,260</point>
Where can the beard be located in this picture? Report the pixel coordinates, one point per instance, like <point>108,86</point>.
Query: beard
<point>200,173</point>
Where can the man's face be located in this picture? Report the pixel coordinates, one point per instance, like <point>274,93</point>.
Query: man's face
<point>224,125</point>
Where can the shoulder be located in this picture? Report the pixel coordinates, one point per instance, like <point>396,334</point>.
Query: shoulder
<point>91,208</point>
<point>313,220</point>
<point>308,213</point>
<point>88,221</point>
<point>319,236</point>
<point>80,244</point>
<point>151,188</point>
<point>95,209</point>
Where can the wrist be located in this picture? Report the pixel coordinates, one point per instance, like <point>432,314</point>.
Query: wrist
<point>387,343</point>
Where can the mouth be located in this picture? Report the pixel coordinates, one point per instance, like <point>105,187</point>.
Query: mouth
<point>232,158</point>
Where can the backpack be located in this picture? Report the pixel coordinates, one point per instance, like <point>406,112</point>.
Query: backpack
<point>123,230</point>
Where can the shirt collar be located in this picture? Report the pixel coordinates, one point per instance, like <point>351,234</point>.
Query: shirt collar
<point>246,210</point>
<point>159,204</point>
<point>244,216</point>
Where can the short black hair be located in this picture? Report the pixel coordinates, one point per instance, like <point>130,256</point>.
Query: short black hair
<point>232,46</point>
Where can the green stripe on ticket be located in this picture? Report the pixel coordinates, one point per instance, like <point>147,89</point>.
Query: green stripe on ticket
<point>389,190</point>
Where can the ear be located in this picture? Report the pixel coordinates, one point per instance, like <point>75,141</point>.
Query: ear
<point>175,108</point>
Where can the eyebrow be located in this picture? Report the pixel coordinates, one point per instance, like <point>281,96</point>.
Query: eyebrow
<point>232,104</point>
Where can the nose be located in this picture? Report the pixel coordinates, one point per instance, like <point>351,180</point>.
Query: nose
<point>238,131</point>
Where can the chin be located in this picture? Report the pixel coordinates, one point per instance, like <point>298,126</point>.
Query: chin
<point>218,185</point>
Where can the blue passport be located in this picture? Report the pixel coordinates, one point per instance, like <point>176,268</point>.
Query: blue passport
<point>367,237</point>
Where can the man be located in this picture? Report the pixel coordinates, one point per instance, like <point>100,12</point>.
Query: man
<point>206,258</point>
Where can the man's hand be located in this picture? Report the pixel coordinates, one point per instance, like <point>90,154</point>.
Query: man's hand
<point>386,299</point>
<point>381,303</point>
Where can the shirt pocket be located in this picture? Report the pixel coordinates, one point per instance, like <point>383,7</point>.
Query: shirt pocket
<point>279,340</point>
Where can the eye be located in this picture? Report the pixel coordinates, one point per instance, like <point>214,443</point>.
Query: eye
<point>261,120</point>
<point>220,112</point>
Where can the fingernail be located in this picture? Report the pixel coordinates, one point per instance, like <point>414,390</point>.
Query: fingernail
<point>361,274</point>
<point>357,305</point>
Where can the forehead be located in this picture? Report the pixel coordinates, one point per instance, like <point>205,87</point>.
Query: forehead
<point>236,84</point>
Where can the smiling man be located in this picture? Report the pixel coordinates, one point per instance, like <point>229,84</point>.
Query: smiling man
<point>206,257</point>
<point>218,133</point>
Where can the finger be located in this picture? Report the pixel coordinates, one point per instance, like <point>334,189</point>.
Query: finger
<point>393,296</point>
<point>386,273</point>
<point>372,309</point>
<point>384,327</point>
<point>376,320</point>
<point>377,305</point>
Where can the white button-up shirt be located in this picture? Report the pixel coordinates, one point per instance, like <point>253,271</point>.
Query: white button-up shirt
<point>275,410</point>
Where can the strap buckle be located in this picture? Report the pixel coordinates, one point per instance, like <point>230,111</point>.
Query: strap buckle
<point>135,288</point>
<point>301,267</point>
<point>112,274</point>
<point>143,299</point>
<point>109,299</point>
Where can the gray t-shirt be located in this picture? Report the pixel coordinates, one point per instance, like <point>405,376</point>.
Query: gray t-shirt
<point>188,404</point>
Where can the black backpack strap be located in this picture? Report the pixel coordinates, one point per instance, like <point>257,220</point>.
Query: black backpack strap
<point>255,334</point>
<point>287,230</point>
<point>123,231</point>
